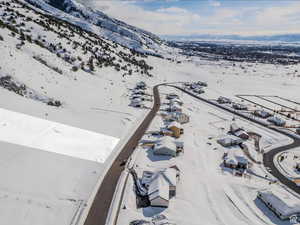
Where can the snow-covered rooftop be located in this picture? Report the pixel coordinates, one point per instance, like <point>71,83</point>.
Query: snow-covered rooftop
<point>284,202</point>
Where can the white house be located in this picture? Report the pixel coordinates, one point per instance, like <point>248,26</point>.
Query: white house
<point>239,106</point>
<point>277,121</point>
<point>166,146</point>
<point>281,202</point>
<point>262,114</point>
<point>198,90</point>
<point>162,186</point>
<point>175,101</point>
<point>238,131</point>
<point>174,108</point>
<point>229,141</point>
<point>170,175</point>
<point>177,116</point>
<point>172,96</point>
<point>224,100</point>
<point>235,159</point>
<point>158,192</point>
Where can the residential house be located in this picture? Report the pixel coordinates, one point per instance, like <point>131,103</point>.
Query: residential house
<point>172,96</point>
<point>166,146</point>
<point>277,121</point>
<point>262,114</point>
<point>161,186</point>
<point>239,106</point>
<point>176,129</point>
<point>202,84</point>
<point>180,117</point>
<point>224,100</point>
<point>283,203</point>
<point>236,160</point>
<point>174,108</point>
<point>229,141</point>
<point>198,90</point>
<point>176,101</point>
<point>238,131</point>
<point>158,192</point>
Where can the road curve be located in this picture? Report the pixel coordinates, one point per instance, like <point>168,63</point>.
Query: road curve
<point>269,157</point>
<point>100,207</point>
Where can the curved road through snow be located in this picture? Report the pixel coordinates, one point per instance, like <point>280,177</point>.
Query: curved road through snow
<point>269,157</point>
<point>101,204</point>
<point>100,207</point>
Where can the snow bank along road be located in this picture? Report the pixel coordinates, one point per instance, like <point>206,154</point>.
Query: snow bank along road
<point>269,157</point>
<point>101,204</point>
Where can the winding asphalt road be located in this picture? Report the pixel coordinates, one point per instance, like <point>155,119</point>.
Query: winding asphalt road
<point>269,157</point>
<point>101,204</point>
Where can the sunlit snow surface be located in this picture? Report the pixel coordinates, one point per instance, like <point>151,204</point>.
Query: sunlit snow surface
<point>21,129</point>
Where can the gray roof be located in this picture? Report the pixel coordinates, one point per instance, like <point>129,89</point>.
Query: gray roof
<point>284,202</point>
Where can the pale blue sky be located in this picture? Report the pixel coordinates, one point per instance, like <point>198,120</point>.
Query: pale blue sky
<point>187,17</point>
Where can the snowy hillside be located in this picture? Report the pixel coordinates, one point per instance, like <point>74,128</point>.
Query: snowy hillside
<point>59,83</point>
<point>101,24</point>
<point>67,75</point>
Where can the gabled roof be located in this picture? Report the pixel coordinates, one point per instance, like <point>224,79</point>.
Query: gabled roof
<point>175,100</point>
<point>276,119</point>
<point>166,142</point>
<point>175,124</point>
<point>234,127</point>
<point>284,202</point>
<point>235,156</point>
<point>169,175</point>
<point>158,188</point>
<point>262,112</point>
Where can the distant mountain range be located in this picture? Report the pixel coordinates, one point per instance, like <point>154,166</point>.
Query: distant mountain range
<point>278,38</point>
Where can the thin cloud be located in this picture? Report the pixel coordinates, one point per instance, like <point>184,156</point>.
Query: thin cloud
<point>178,19</point>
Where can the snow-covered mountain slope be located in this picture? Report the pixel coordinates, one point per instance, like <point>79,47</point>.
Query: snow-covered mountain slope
<point>101,24</point>
<point>56,73</point>
<point>50,65</point>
